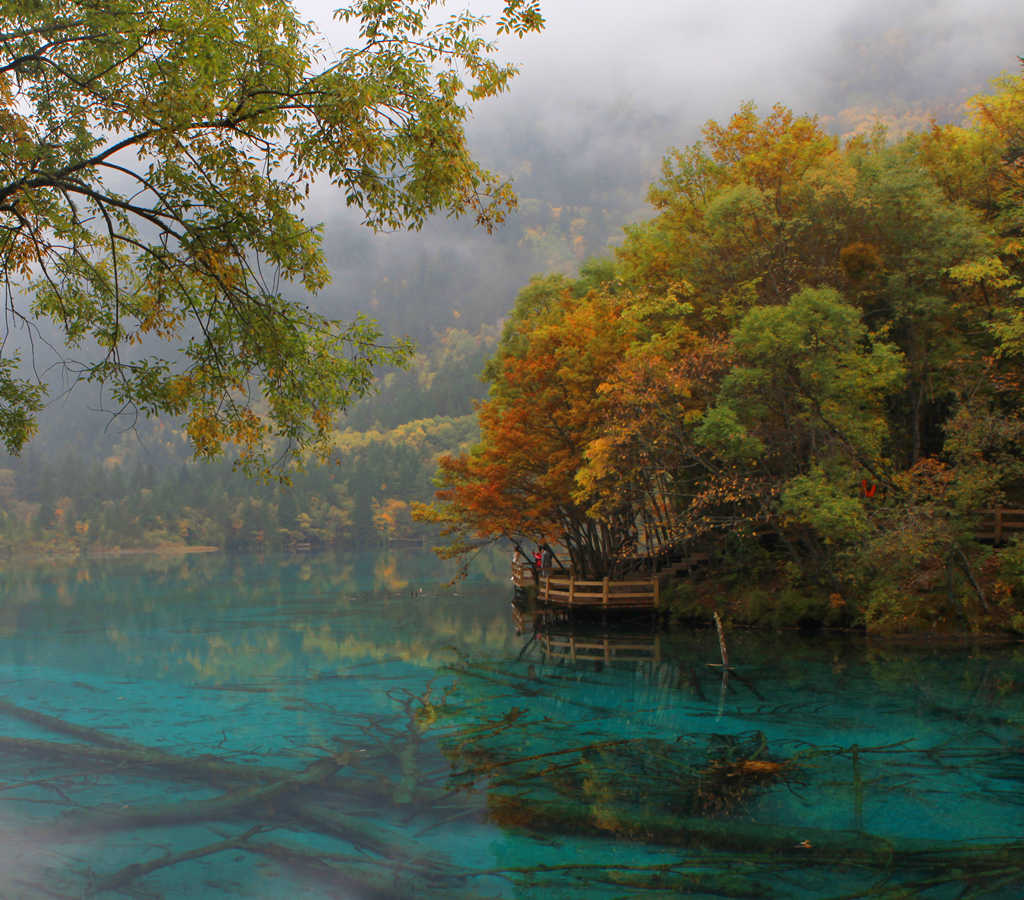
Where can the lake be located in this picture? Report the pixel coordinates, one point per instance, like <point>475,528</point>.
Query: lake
<point>349,725</point>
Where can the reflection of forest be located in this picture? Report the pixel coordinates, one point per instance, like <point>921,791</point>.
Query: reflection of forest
<point>300,612</point>
<point>630,749</point>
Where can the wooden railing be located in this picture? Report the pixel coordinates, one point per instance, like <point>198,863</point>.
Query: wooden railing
<point>522,575</point>
<point>998,524</point>
<point>564,589</point>
<point>637,593</point>
<point>679,564</point>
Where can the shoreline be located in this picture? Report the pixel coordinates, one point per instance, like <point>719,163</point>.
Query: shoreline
<point>158,550</point>
<point>43,555</point>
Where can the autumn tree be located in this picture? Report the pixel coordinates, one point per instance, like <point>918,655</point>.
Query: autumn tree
<point>545,406</point>
<point>154,159</point>
<point>643,458</point>
<point>799,424</point>
<point>747,215</point>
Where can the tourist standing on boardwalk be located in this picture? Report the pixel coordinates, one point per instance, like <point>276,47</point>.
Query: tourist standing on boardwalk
<point>545,561</point>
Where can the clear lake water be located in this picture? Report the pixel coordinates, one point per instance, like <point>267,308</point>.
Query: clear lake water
<point>351,725</point>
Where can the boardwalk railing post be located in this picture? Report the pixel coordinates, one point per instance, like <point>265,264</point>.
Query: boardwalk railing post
<point>572,587</point>
<point>604,591</point>
<point>999,524</point>
<point>657,593</point>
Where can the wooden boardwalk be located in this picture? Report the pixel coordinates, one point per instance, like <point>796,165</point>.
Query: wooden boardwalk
<point>567,590</point>
<point>643,593</point>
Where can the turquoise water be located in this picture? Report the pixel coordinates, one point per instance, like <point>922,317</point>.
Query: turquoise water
<point>350,726</point>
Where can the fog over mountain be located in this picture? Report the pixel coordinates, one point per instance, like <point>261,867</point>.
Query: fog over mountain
<point>690,57</point>
<point>695,57</point>
<point>603,92</point>
<point>607,88</point>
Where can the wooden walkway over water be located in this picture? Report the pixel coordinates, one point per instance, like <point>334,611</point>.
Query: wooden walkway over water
<point>565,589</point>
<point>641,593</point>
<point>635,593</point>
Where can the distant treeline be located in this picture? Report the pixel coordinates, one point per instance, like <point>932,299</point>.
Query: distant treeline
<point>360,495</point>
<point>144,490</point>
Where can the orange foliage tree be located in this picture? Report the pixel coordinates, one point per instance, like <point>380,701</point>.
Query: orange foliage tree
<point>541,427</point>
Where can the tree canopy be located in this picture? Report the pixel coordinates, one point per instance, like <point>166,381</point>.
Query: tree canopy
<point>809,364</point>
<point>154,159</point>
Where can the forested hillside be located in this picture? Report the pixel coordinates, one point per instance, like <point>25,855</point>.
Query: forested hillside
<point>148,492</point>
<point>93,481</point>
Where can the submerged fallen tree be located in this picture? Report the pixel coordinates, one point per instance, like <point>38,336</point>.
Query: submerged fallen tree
<point>642,790</point>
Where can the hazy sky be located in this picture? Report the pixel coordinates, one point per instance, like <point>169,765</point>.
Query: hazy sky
<point>673,64</point>
<point>608,87</point>
<point>702,58</point>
